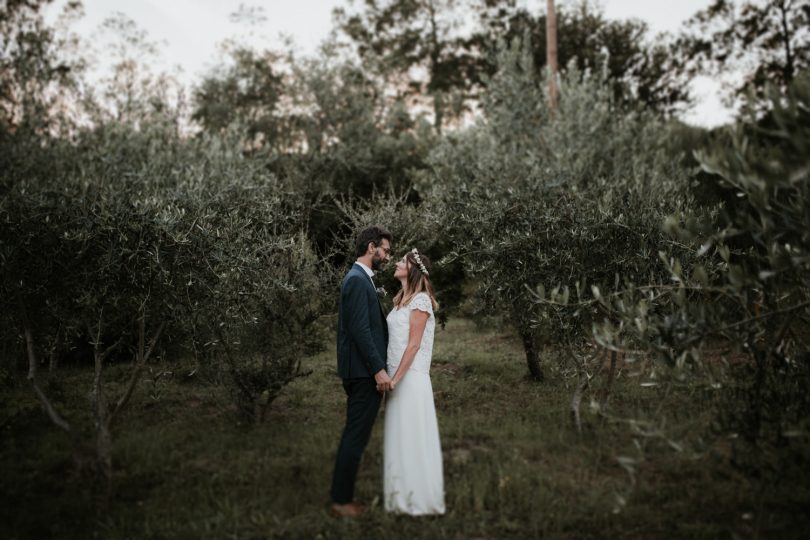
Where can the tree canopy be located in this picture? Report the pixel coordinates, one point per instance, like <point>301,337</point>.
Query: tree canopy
<point>764,41</point>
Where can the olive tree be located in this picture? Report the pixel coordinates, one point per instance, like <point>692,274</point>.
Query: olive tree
<point>134,233</point>
<point>534,200</point>
<point>746,291</point>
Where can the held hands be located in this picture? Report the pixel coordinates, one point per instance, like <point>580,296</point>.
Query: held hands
<point>384,382</point>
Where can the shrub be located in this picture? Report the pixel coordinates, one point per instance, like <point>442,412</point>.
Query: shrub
<point>559,201</point>
<point>747,291</point>
<point>130,234</point>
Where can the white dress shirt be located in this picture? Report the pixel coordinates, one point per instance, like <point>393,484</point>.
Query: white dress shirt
<point>368,271</point>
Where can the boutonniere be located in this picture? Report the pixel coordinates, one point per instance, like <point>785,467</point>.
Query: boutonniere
<point>381,292</point>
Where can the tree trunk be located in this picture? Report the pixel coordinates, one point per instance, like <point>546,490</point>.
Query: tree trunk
<point>435,59</point>
<point>611,375</point>
<point>33,362</point>
<point>582,366</point>
<point>105,415</point>
<point>102,429</point>
<point>259,410</point>
<point>551,54</point>
<point>104,468</point>
<point>141,357</point>
<point>56,351</point>
<point>438,110</point>
<point>787,73</point>
<point>576,399</point>
<point>761,360</point>
<point>532,355</point>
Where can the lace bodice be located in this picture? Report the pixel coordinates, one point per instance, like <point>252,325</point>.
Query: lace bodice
<point>399,325</point>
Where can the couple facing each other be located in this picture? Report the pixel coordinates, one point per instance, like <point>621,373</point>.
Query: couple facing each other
<point>377,355</point>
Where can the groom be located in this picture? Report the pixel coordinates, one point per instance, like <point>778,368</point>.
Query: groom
<point>362,342</point>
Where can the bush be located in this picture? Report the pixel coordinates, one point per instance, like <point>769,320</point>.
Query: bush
<point>130,234</point>
<point>747,291</point>
<point>557,201</point>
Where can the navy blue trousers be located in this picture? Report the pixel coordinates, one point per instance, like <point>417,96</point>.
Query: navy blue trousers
<point>362,404</point>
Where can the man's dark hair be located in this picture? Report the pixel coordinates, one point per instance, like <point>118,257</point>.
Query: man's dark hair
<point>371,234</point>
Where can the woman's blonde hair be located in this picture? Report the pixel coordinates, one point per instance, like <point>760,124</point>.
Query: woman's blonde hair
<point>418,280</point>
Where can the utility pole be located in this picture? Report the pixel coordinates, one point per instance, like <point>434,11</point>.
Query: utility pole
<point>551,54</point>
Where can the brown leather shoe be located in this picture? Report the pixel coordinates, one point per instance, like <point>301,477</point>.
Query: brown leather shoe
<point>350,510</point>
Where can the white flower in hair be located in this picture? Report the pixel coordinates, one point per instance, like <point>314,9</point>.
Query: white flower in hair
<point>419,262</point>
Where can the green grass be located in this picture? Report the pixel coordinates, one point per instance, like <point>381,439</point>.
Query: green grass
<point>514,468</point>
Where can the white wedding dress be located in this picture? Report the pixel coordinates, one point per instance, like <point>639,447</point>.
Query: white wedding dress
<point>413,481</point>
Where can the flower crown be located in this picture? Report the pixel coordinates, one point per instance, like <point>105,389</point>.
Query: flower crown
<point>419,262</point>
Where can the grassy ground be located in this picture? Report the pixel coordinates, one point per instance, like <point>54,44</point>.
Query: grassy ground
<point>514,468</point>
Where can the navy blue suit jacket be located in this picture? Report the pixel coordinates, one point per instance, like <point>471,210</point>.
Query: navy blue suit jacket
<point>362,333</point>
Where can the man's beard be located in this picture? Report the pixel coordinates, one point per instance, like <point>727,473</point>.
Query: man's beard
<point>376,263</point>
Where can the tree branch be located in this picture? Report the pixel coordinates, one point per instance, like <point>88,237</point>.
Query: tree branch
<point>765,316</point>
<point>141,358</point>
<point>32,378</point>
<point>784,8</point>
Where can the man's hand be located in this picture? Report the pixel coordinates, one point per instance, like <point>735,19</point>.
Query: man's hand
<point>384,382</point>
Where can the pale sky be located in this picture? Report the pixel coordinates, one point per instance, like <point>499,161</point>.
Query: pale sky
<point>189,32</point>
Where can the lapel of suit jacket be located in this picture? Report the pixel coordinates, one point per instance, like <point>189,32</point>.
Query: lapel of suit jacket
<point>363,271</point>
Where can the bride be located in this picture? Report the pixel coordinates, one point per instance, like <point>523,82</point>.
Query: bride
<point>413,480</point>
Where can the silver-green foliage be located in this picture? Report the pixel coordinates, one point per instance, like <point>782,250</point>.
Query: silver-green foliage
<point>557,201</point>
<point>188,235</point>
<point>746,291</point>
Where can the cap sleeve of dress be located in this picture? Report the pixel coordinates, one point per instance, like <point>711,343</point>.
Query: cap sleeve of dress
<point>421,302</point>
